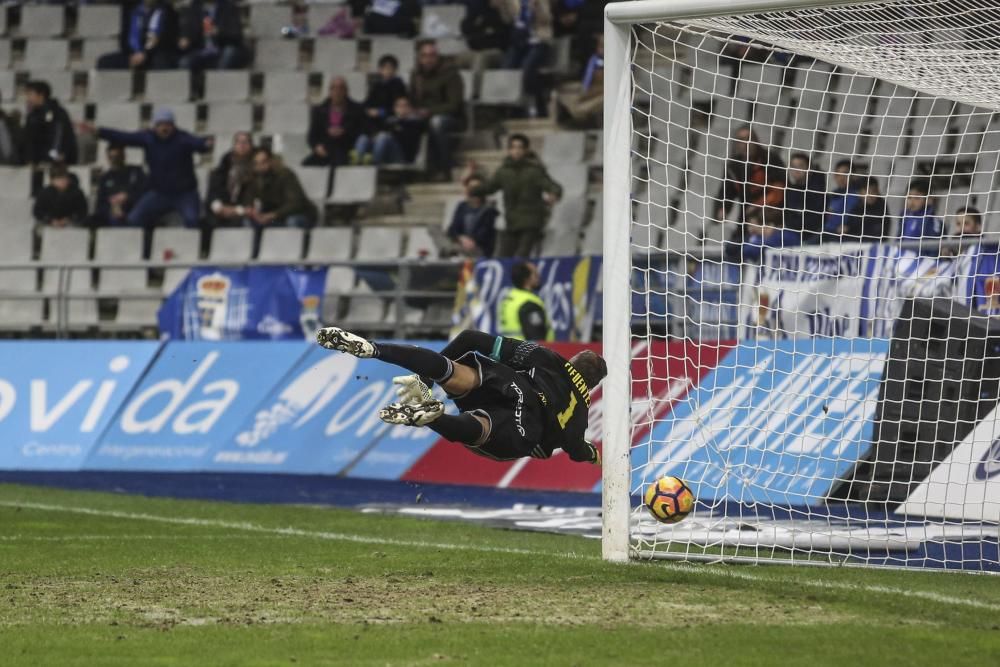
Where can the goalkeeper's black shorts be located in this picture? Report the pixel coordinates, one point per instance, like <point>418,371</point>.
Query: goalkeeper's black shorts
<point>513,406</point>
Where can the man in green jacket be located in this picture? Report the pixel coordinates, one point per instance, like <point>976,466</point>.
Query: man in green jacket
<point>439,97</point>
<point>528,193</point>
<point>274,197</point>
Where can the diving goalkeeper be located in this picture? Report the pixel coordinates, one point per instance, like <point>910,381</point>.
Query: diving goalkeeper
<point>517,398</point>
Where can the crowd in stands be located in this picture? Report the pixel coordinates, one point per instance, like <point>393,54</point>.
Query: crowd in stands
<point>779,206</point>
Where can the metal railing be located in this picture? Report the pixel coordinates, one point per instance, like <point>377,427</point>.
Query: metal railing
<point>404,279</point>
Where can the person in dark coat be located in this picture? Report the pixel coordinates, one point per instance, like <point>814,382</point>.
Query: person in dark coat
<point>229,181</point>
<point>484,27</point>
<point>868,221</point>
<point>48,131</point>
<point>118,188</point>
<point>392,17</point>
<point>399,140</point>
<point>473,224</point>
<point>172,182</point>
<point>805,194</point>
<point>10,137</point>
<point>211,36</point>
<point>334,126</point>
<point>148,40</point>
<point>384,91</point>
<point>60,203</point>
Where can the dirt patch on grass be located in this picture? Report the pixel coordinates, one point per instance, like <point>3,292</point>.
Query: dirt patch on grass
<point>170,597</point>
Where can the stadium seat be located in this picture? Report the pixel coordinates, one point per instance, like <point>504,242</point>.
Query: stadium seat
<point>109,86</point>
<point>185,116</point>
<point>442,21</point>
<point>98,21</point>
<point>353,185</point>
<point>15,182</point>
<point>335,56</point>
<point>293,147</point>
<point>118,116</point>
<point>122,245</point>
<point>61,82</point>
<point>286,87</point>
<point>376,243</point>
<point>339,281</point>
<point>16,213</point>
<point>572,178</point>
<point>404,50</point>
<point>469,90</point>
<point>276,55</point>
<point>593,239</point>
<point>450,205</point>
<point>3,23</point>
<point>365,312</point>
<point>285,118</point>
<point>228,117</point>
<point>20,314</point>
<point>563,148</point>
<point>69,245</point>
<point>42,21</point>
<point>420,244</point>
<point>281,244</point>
<point>85,177</point>
<point>168,87</point>
<point>559,243</point>
<point>226,86</point>
<point>231,245</point>
<point>267,20</point>
<point>315,181</point>
<point>568,214</point>
<point>94,49</point>
<point>137,312</point>
<point>174,243</point>
<point>46,53</point>
<point>760,82</point>
<point>318,14</point>
<point>5,54</point>
<point>8,84</point>
<point>328,244</point>
<point>501,87</point>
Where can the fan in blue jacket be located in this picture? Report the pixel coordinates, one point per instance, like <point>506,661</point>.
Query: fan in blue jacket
<point>919,222</point>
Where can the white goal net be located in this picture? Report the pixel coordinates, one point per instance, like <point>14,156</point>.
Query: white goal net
<point>814,280</point>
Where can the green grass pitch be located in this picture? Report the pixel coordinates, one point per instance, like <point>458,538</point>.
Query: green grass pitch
<point>102,579</point>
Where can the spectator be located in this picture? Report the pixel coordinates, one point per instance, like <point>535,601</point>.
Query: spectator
<point>392,17</point>
<point>805,194</point>
<point>229,182</point>
<point>148,39</point>
<point>48,131</point>
<point>172,183</point>
<point>586,107</point>
<point>763,229</point>
<point>385,90</point>
<point>521,312</point>
<point>580,21</point>
<point>398,142</point>
<point>528,47</point>
<point>438,95</point>
<point>755,178</point>
<point>528,192</point>
<point>341,25</point>
<point>334,127</point>
<point>119,187</point>
<point>275,197</point>
<point>473,225</point>
<point>60,203</point>
<point>919,222</point>
<point>868,219</point>
<point>842,199</point>
<point>484,27</point>
<point>968,223</point>
<point>212,36</point>
<point>10,137</point>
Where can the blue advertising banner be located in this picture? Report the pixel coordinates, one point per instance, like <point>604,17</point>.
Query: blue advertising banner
<point>274,303</point>
<point>56,399</point>
<point>192,398</point>
<point>322,419</point>
<point>569,289</point>
<point>775,422</point>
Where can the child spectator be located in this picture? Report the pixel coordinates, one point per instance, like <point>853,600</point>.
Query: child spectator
<point>118,188</point>
<point>399,142</point>
<point>61,203</point>
<point>229,181</point>
<point>473,225</point>
<point>919,222</point>
<point>384,91</point>
<point>334,127</point>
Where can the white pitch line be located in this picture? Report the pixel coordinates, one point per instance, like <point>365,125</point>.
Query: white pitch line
<point>419,544</point>
<point>97,538</point>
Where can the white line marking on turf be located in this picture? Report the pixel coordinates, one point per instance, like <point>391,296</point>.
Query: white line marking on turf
<point>365,539</point>
<point>96,538</point>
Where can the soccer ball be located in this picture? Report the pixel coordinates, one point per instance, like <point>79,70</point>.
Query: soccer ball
<point>669,499</point>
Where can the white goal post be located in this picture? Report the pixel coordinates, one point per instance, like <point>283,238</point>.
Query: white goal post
<point>801,316</point>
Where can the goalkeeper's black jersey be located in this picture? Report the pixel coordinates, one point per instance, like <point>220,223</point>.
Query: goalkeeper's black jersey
<point>562,390</point>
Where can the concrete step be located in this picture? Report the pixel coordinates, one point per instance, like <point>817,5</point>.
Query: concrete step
<point>406,220</point>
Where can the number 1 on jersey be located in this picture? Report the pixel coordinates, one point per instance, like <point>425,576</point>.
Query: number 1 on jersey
<point>565,415</point>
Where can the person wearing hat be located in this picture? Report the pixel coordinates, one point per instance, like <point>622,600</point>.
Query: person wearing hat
<point>171,184</point>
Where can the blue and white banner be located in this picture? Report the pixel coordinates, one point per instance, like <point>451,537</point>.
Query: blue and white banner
<point>570,290</point>
<point>56,399</point>
<point>193,397</point>
<point>775,422</point>
<point>274,303</point>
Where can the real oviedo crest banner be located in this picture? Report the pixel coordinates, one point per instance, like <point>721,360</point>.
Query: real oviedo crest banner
<point>273,303</point>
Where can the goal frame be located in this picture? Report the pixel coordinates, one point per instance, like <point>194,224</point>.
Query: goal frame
<point>616,431</point>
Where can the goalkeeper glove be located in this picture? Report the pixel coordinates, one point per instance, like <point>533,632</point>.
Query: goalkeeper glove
<point>596,454</point>
<point>410,389</point>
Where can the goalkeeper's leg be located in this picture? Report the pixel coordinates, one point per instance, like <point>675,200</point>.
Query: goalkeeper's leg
<point>455,379</point>
<point>468,428</point>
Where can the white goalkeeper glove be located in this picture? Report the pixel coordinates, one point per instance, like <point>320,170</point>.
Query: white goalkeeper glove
<point>410,389</point>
